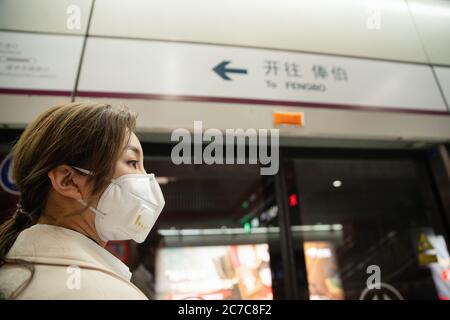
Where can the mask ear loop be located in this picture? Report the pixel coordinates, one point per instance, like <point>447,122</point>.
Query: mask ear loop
<point>83,170</point>
<point>82,201</point>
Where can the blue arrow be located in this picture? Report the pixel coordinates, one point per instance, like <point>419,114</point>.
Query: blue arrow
<point>222,70</point>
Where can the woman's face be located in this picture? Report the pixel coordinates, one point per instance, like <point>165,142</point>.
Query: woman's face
<point>130,161</point>
<point>69,186</point>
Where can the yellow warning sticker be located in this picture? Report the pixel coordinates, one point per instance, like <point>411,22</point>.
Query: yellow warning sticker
<point>424,244</point>
<point>426,259</point>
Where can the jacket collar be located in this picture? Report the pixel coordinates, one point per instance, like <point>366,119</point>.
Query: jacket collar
<point>49,244</point>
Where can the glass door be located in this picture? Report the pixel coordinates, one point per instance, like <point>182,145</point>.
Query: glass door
<point>365,225</point>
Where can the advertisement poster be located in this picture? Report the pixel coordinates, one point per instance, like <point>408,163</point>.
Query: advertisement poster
<point>324,282</point>
<point>214,273</point>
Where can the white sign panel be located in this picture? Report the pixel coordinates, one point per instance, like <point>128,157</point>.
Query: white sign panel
<point>133,68</point>
<point>443,75</point>
<point>39,61</point>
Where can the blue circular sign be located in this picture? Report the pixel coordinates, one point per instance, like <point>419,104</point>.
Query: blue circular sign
<point>6,179</point>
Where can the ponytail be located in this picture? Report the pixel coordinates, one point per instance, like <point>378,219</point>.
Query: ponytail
<point>9,231</point>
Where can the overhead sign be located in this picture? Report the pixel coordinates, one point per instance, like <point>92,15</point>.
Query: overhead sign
<point>153,69</point>
<point>39,61</point>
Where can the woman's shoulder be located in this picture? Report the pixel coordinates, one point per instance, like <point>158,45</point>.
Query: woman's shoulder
<point>69,282</point>
<point>65,265</point>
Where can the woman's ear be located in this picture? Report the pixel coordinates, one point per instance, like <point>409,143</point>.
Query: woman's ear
<point>67,182</point>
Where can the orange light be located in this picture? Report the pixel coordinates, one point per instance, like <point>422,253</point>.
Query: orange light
<point>290,118</point>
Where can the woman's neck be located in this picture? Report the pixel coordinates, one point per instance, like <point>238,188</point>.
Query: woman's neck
<point>82,222</point>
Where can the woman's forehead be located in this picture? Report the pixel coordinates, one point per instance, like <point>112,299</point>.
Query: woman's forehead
<point>134,144</point>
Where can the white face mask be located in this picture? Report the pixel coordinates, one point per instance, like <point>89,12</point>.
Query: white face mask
<point>128,208</point>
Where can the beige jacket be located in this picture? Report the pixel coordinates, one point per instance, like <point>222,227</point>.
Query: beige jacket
<point>68,265</point>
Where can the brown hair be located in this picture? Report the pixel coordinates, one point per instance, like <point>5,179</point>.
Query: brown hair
<point>87,135</point>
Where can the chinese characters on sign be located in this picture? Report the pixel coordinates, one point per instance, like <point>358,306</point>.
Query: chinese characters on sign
<point>292,75</point>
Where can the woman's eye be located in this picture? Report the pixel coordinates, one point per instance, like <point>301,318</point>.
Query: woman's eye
<point>133,163</point>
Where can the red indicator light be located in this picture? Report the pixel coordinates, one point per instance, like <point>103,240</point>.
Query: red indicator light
<point>293,201</point>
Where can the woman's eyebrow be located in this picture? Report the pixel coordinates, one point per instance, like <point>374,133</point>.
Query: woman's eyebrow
<point>134,149</point>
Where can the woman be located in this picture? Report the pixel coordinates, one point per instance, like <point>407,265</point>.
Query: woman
<point>79,169</point>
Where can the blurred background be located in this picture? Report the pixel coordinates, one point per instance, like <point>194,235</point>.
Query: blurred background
<point>359,89</point>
